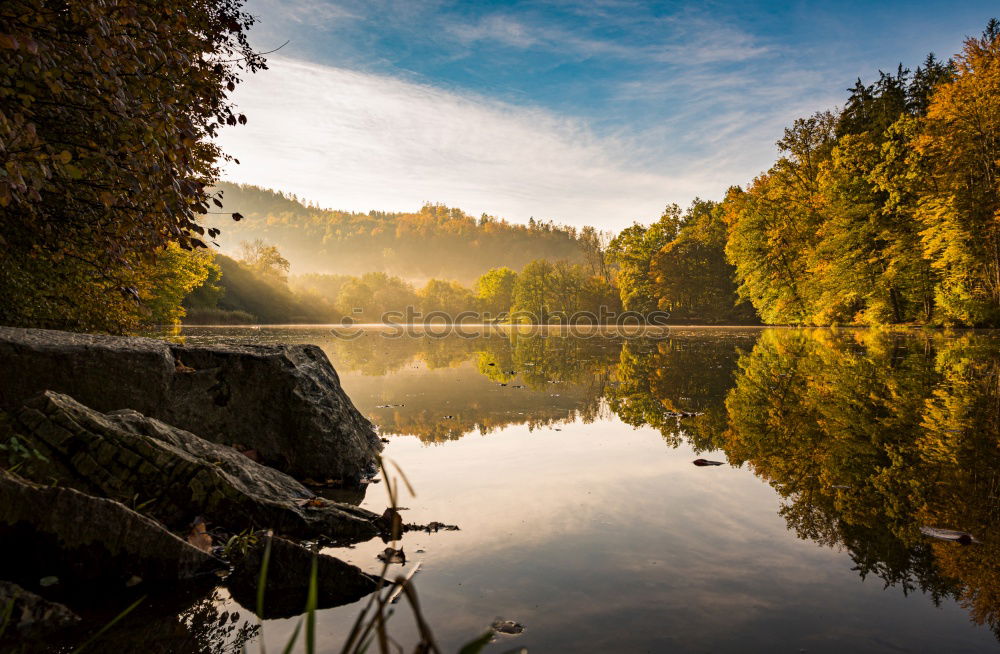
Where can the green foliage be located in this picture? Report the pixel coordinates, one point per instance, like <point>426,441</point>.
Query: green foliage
<point>264,260</point>
<point>552,292</point>
<point>448,297</point>
<point>692,279</point>
<point>173,275</point>
<point>107,115</point>
<point>495,290</point>
<point>631,254</point>
<point>960,209</point>
<point>268,299</point>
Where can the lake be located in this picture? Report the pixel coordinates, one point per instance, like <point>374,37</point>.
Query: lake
<point>566,461</point>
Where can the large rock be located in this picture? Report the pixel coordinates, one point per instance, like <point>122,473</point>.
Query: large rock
<point>172,474</point>
<point>31,614</point>
<point>283,401</point>
<point>287,585</point>
<point>62,533</point>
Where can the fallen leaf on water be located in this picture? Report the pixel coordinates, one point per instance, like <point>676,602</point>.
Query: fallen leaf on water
<point>199,536</point>
<point>706,462</point>
<point>949,534</point>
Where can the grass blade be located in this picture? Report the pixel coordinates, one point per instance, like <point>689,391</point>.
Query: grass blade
<point>312,600</point>
<point>291,641</point>
<point>113,622</point>
<point>477,645</point>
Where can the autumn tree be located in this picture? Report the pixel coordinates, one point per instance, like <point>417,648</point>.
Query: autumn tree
<point>107,114</point>
<point>495,290</point>
<point>264,260</point>
<point>450,297</point>
<point>171,277</point>
<point>630,254</point>
<point>693,280</point>
<point>960,209</point>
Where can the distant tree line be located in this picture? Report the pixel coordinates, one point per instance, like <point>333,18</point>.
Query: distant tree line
<point>433,242</point>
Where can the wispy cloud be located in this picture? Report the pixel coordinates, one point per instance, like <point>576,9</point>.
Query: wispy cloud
<point>686,39</point>
<point>358,141</point>
<point>317,13</point>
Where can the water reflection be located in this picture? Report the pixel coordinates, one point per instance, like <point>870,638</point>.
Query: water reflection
<point>864,436</point>
<point>867,436</point>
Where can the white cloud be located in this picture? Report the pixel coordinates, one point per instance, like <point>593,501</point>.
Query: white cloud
<point>357,141</point>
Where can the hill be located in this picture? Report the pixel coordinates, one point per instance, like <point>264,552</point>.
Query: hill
<point>434,242</point>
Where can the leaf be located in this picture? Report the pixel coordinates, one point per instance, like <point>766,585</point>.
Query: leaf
<point>237,216</point>
<point>73,171</point>
<point>706,462</point>
<point>64,157</point>
<point>392,555</point>
<point>199,536</point>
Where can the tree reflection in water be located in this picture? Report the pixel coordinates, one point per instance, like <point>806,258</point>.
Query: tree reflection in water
<point>865,435</point>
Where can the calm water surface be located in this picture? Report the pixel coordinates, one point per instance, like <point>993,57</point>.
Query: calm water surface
<point>583,518</point>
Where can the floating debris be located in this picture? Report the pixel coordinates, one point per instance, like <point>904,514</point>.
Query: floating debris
<point>389,406</point>
<point>706,462</point>
<point>507,627</point>
<point>392,555</point>
<point>683,414</point>
<point>398,590</point>
<point>962,537</point>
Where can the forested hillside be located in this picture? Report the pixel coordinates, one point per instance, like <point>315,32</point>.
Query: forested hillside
<point>435,241</point>
<point>887,211</point>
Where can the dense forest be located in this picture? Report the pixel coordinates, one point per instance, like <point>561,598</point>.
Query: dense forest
<point>886,212</point>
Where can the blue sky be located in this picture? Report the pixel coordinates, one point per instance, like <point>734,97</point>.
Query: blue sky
<point>596,112</point>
